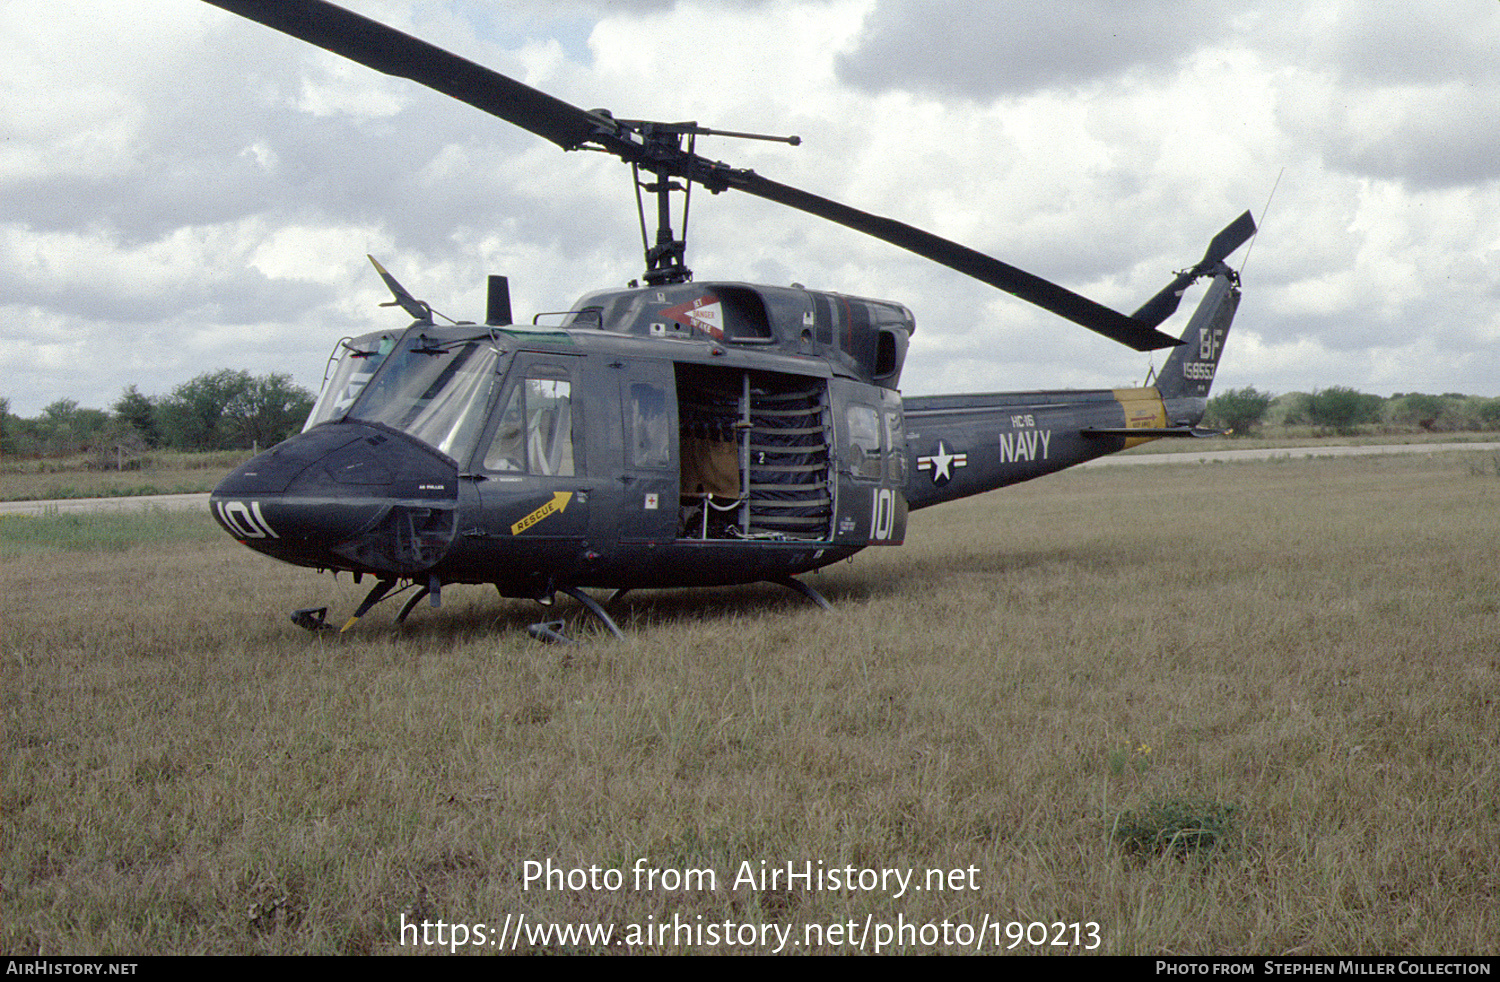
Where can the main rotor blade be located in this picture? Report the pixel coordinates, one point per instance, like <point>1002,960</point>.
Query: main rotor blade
<point>388,50</point>
<point>1045,294</point>
<point>392,52</point>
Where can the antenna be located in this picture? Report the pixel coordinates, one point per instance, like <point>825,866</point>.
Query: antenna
<point>1263,212</point>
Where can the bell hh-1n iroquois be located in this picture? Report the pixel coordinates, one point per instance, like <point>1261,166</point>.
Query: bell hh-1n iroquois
<point>674,433</point>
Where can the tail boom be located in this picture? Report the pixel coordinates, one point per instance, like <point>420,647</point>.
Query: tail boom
<point>968,444</point>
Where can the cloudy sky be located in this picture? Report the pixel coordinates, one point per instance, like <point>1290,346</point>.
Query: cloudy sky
<point>182,190</point>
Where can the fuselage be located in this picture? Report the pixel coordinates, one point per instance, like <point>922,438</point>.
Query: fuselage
<point>680,436</point>
<point>651,440</point>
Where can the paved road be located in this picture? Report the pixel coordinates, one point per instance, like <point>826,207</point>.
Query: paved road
<point>1289,453</point>
<point>200,501</point>
<point>62,506</point>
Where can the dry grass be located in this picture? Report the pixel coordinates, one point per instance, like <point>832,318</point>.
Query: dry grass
<point>84,476</point>
<point>1314,645</point>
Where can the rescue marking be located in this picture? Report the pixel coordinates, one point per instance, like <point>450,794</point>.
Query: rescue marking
<point>558,503</point>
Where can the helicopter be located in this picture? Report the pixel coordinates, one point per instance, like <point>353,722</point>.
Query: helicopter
<point>671,433</point>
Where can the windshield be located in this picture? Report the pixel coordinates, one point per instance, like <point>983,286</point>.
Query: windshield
<point>435,391</point>
<point>357,361</point>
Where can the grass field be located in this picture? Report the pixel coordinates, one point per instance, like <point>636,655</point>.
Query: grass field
<point>171,472</point>
<point>158,472</point>
<point>1247,708</point>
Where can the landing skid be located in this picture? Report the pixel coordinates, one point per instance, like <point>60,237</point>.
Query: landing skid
<point>795,585</point>
<point>802,588</point>
<point>313,619</point>
<point>552,631</point>
<point>411,604</point>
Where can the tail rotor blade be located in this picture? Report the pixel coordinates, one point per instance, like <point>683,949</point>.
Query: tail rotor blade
<point>1230,238</point>
<point>1164,304</point>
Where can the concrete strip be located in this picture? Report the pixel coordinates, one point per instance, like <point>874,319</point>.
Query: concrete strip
<point>185,502</point>
<point>144,502</point>
<point>1286,453</point>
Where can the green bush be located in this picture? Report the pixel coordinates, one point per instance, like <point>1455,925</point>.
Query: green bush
<point>232,409</point>
<point>1341,408</point>
<point>1238,409</point>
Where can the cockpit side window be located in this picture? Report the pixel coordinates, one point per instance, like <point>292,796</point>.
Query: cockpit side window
<point>535,431</point>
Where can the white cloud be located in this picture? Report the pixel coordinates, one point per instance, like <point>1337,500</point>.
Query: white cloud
<point>204,195</point>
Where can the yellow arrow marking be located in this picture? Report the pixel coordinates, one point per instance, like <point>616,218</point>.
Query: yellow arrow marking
<point>558,503</point>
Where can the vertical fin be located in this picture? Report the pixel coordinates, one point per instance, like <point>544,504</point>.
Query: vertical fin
<point>1189,370</point>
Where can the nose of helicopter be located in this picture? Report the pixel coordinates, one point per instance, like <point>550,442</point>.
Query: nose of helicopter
<point>344,496</point>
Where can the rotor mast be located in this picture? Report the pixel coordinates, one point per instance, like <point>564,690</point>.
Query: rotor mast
<point>661,150</point>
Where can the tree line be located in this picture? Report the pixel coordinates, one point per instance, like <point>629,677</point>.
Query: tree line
<point>1344,410</point>
<point>234,410</point>
<point>223,410</point>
